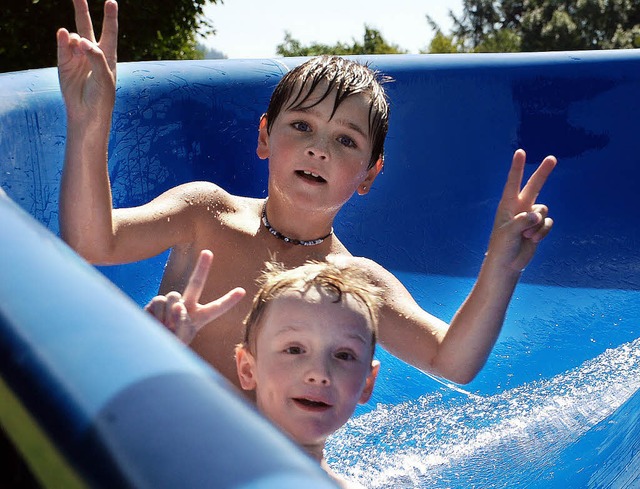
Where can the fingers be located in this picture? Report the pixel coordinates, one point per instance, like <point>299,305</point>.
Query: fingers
<point>95,56</point>
<point>157,307</point>
<point>64,53</point>
<point>514,179</point>
<point>71,44</point>
<point>83,19</point>
<point>109,34</point>
<point>182,314</point>
<point>217,308</point>
<point>163,308</point>
<point>84,26</point>
<point>534,225</point>
<point>180,324</point>
<point>198,279</point>
<point>174,304</point>
<point>538,233</point>
<point>535,183</point>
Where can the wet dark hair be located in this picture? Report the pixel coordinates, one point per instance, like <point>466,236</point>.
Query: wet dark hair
<point>346,78</point>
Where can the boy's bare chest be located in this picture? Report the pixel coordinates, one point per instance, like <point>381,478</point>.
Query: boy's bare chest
<point>236,263</point>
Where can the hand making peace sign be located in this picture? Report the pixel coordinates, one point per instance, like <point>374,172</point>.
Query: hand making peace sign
<point>520,223</point>
<point>86,68</point>
<point>182,314</point>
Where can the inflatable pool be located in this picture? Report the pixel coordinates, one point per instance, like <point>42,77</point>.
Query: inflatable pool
<point>95,394</point>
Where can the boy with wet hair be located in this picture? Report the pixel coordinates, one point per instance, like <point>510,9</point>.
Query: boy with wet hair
<point>308,350</point>
<point>339,78</point>
<point>322,145</point>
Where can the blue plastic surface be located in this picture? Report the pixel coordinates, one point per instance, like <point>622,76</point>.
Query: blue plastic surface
<point>557,403</point>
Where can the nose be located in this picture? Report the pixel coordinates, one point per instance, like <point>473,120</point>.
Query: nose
<point>318,149</point>
<point>318,373</point>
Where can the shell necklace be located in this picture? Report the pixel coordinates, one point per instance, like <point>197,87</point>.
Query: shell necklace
<point>287,239</point>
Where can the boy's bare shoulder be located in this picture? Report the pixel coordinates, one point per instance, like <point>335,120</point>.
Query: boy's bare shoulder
<point>211,209</point>
<point>375,271</point>
<point>393,291</point>
<point>200,193</point>
<point>205,196</point>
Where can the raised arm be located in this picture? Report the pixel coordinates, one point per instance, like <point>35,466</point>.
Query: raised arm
<point>87,73</point>
<point>88,222</point>
<point>458,351</point>
<point>519,226</point>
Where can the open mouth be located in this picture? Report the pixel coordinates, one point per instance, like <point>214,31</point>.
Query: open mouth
<point>312,405</point>
<point>310,176</point>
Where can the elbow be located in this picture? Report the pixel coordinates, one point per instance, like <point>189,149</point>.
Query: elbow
<point>93,252</point>
<point>460,375</point>
<point>462,378</point>
<point>90,236</point>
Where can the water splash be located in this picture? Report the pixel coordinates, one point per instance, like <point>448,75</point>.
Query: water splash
<point>514,438</point>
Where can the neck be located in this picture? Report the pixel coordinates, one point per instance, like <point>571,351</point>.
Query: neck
<point>308,237</point>
<point>316,452</point>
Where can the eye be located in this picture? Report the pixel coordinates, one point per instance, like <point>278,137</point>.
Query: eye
<point>347,142</point>
<point>301,126</point>
<point>294,350</point>
<point>346,356</point>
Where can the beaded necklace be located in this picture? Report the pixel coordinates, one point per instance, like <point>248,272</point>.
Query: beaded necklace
<point>287,239</point>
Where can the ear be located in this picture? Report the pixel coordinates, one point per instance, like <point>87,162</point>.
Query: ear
<point>365,186</point>
<point>262,150</point>
<point>245,366</point>
<point>370,382</point>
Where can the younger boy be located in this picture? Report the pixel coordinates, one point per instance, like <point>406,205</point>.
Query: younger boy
<point>307,353</point>
<point>323,136</point>
<point>308,350</point>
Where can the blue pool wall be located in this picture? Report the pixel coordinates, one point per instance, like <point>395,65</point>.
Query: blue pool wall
<point>455,123</point>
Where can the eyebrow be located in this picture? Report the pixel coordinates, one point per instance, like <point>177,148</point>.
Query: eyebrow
<point>297,329</point>
<point>342,122</point>
<point>288,329</point>
<point>358,337</point>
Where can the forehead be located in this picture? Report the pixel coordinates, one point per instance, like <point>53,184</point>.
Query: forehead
<point>317,308</point>
<point>307,96</point>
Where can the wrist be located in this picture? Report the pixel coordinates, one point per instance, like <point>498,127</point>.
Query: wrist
<point>502,276</point>
<point>89,120</point>
<point>490,261</point>
<point>88,128</point>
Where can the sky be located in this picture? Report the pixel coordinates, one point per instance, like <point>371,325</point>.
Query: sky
<point>254,28</point>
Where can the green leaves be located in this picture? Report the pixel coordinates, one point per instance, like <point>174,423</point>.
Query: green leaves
<point>149,30</point>
<point>541,25</point>
<point>372,43</point>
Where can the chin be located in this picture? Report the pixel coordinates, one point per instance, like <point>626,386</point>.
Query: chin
<point>309,436</point>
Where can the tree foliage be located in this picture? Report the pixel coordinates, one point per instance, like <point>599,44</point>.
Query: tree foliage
<point>372,43</point>
<point>149,30</point>
<point>541,25</point>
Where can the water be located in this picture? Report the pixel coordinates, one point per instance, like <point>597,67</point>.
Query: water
<point>548,410</point>
<point>520,437</point>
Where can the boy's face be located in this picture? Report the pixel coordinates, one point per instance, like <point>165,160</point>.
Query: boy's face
<point>312,363</point>
<point>318,159</point>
